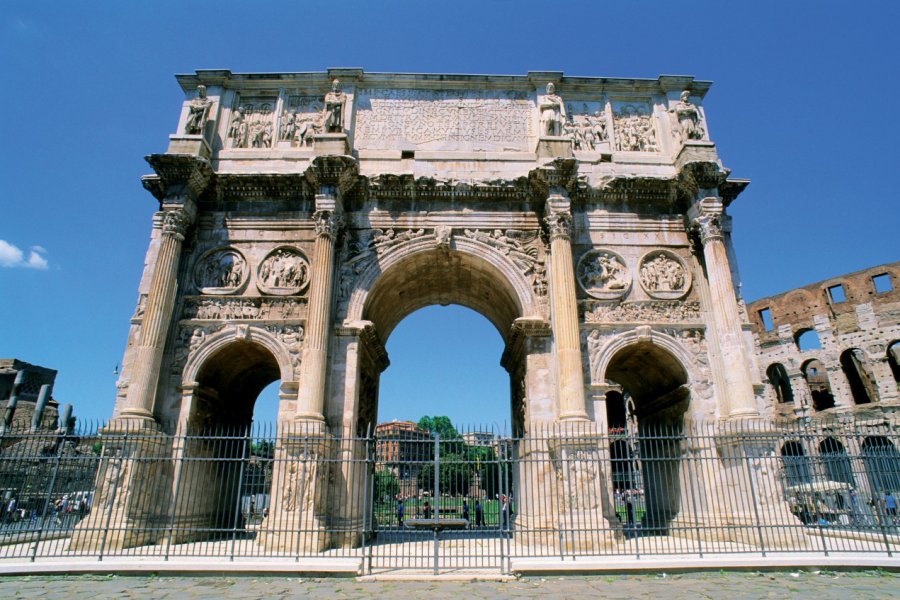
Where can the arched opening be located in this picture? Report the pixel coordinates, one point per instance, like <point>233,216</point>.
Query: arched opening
<point>819,387</point>
<point>616,413</point>
<point>780,382</point>
<point>472,466</point>
<point>862,386</point>
<point>807,339</point>
<point>225,480</point>
<point>882,462</point>
<point>835,461</point>
<point>657,385</point>
<point>795,463</point>
<point>893,358</point>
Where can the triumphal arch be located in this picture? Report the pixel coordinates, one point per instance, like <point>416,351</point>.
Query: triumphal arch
<point>304,215</point>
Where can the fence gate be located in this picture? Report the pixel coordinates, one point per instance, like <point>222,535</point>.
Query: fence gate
<point>439,504</point>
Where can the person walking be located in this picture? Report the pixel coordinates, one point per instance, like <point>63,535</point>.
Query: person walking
<point>400,513</point>
<point>479,514</point>
<point>427,510</point>
<point>465,511</point>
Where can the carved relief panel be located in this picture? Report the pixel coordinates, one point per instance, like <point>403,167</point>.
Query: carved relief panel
<point>664,275</point>
<point>603,274</point>
<point>300,120</point>
<point>633,125</point>
<point>283,272</point>
<point>587,123</point>
<point>221,271</point>
<point>252,123</point>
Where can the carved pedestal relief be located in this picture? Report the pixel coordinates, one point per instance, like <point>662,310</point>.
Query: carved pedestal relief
<point>663,275</point>
<point>602,274</point>
<point>221,271</point>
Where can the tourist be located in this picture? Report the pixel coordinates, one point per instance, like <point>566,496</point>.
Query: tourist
<point>427,510</point>
<point>465,511</point>
<point>890,506</point>
<point>400,513</point>
<point>479,514</point>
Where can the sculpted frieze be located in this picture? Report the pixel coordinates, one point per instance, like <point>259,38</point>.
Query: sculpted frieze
<point>243,308</point>
<point>252,123</point>
<point>633,125</point>
<point>663,275</point>
<point>221,271</point>
<point>442,118</point>
<point>602,274</point>
<point>523,248</point>
<point>283,272</point>
<point>586,125</point>
<point>655,311</point>
<point>301,119</point>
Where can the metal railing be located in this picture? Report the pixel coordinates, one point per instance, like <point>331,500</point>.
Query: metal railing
<point>418,501</point>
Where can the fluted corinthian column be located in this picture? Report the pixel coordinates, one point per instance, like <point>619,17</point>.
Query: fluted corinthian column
<point>564,308</point>
<point>311,397</point>
<point>737,396</point>
<point>157,316</point>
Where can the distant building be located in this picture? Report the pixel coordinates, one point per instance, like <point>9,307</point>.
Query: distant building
<point>402,448</point>
<point>479,438</point>
<point>833,346</point>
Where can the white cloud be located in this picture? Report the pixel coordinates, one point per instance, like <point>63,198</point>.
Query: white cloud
<point>11,256</point>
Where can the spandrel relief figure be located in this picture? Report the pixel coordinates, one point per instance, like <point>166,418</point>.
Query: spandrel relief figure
<point>553,112</point>
<point>220,272</point>
<point>334,108</point>
<point>663,276</point>
<point>198,112</point>
<point>634,129</point>
<point>603,274</point>
<point>688,116</point>
<point>284,271</point>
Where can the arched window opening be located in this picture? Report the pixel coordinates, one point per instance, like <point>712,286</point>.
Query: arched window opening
<point>862,386</point>
<point>835,461</point>
<point>780,382</point>
<point>893,357</point>
<point>807,339</point>
<point>882,462</point>
<point>796,464</point>
<point>819,387</point>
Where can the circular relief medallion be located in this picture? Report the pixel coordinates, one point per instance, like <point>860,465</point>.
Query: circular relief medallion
<point>221,271</point>
<point>283,272</point>
<point>663,275</point>
<point>603,274</point>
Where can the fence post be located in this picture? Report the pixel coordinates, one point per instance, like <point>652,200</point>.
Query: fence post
<point>365,501</point>
<point>437,494</point>
<point>690,469</point>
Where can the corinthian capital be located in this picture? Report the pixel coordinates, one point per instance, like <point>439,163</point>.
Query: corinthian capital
<point>327,223</point>
<point>175,222</point>
<point>559,224</point>
<point>709,227</point>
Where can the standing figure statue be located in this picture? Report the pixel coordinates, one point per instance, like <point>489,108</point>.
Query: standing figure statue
<point>334,108</point>
<point>688,118</point>
<point>553,112</point>
<point>198,111</point>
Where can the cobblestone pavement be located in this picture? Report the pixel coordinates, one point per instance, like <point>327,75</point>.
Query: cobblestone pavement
<point>821,585</point>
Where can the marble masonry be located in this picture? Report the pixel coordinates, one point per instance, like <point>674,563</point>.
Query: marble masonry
<point>302,216</point>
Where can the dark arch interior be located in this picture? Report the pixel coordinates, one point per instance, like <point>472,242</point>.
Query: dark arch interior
<point>230,381</point>
<point>778,377</point>
<point>882,463</point>
<point>862,388</point>
<point>893,356</point>
<point>835,460</point>
<point>819,388</point>
<point>657,385</point>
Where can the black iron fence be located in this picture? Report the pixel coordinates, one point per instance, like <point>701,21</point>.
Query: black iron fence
<point>476,500</point>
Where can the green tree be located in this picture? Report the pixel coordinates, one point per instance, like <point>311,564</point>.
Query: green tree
<point>386,485</point>
<point>441,426</point>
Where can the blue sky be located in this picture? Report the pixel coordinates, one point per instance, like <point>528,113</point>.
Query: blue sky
<point>803,104</point>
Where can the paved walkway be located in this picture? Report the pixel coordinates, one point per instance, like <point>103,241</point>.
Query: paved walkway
<point>822,585</point>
